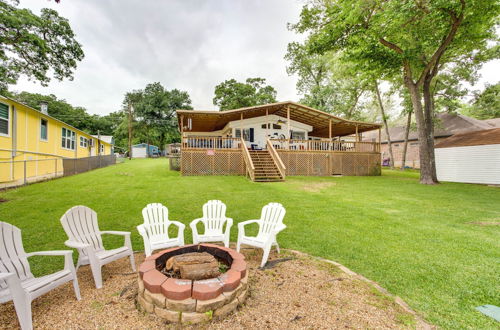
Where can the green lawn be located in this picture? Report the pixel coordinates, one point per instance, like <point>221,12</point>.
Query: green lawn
<point>419,242</point>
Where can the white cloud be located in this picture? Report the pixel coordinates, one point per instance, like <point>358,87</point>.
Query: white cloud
<point>190,45</point>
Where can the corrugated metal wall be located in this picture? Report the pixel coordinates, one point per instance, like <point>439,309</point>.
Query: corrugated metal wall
<point>474,164</point>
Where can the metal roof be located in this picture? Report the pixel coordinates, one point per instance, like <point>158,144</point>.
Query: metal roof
<point>209,121</point>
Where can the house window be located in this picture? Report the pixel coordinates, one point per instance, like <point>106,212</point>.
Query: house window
<point>83,142</point>
<point>248,134</point>
<point>68,139</point>
<point>43,129</point>
<point>101,147</point>
<point>298,135</point>
<point>4,119</point>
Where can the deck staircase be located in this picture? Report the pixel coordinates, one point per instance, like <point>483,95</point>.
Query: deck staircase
<point>265,168</point>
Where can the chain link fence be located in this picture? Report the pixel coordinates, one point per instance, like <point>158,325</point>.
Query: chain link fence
<point>21,172</point>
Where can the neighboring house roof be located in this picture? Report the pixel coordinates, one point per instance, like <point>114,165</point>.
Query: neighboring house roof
<point>210,121</point>
<point>105,138</point>
<point>448,124</point>
<point>49,116</point>
<point>493,122</point>
<point>144,145</point>
<point>477,138</point>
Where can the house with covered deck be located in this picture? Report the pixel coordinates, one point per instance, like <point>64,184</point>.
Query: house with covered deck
<point>269,142</point>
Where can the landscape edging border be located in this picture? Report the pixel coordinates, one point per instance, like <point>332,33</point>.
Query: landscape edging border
<point>421,323</point>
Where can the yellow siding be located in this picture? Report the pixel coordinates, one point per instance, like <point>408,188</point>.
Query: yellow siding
<point>43,157</point>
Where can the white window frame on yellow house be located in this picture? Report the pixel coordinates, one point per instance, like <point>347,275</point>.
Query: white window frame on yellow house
<point>6,119</point>
<point>101,149</point>
<point>46,139</point>
<point>84,142</point>
<point>65,139</point>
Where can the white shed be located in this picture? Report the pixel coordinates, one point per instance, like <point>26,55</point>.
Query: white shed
<point>470,157</point>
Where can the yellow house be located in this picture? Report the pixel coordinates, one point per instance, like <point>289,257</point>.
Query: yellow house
<point>34,144</point>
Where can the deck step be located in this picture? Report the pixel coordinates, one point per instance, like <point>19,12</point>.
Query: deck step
<point>265,168</point>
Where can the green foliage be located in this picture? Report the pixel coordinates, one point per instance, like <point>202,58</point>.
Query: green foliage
<point>155,120</point>
<point>486,105</point>
<point>35,46</point>
<point>233,95</point>
<point>75,116</point>
<point>421,243</point>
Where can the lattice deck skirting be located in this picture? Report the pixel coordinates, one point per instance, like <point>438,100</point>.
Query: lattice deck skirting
<point>308,163</point>
<point>212,162</point>
<point>317,163</point>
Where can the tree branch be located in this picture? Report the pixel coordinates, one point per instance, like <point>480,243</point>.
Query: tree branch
<point>390,45</point>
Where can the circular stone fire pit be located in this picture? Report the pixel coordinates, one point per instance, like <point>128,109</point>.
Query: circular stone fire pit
<point>180,300</point>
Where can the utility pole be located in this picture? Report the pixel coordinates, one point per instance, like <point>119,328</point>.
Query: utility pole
<point>129,131</point>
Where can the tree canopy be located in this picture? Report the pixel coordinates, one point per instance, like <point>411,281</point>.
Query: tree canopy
<point>232,94</point>
<point>154,116</point>
<point>35,46</point>
<point>486,105</point>
<point>412,39</point>
<point>73,115</point>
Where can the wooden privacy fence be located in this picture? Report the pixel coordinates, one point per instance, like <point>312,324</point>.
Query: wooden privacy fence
<point>79,165</point>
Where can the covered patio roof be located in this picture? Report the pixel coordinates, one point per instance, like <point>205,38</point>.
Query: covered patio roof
<point>209,121</point>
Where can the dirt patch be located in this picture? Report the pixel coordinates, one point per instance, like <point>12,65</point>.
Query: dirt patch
<point>297,292</point>
<point>3,200</point>
<point>317,186</point>
<point>485,223</point>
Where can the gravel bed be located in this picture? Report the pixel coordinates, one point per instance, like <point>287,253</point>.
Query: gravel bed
<point>297,293</point>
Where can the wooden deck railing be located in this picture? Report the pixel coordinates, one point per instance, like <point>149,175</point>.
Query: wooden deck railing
<point>324,145</point>
<point>248,160</point>
<point>210,142</point>
<point>276,158</point>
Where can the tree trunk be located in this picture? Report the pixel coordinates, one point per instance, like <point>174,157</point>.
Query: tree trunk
<point>427,166</point>
<point>386,126</point>
<point>405,144</point>
<point>429,123</point>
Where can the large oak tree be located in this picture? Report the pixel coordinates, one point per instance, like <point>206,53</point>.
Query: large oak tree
<point>37,47</point>
<point>412,38</point>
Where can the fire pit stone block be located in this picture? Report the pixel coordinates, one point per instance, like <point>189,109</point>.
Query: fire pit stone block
<point>146,267</point>
<point>230,280</point>
<point>186,305</point>
<point>153,280</point>
<point>176,289</point>
<point>207,289</point>
<point>203,306</point>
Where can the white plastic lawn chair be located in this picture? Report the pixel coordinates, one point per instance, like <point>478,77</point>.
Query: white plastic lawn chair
<point>17,283</point>
<point>80,224</point>
<point>154,230</point>
<point>214,218</point>
<point>270,224</point>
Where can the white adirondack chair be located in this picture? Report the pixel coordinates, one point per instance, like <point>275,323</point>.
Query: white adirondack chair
<point>154,230</point>
<point>214,218</point>
<point>17,283</point>
<point>270,224</point>
<point>80,224</point>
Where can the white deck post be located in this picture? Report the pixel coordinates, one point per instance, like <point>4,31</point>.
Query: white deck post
<point>288,126</point>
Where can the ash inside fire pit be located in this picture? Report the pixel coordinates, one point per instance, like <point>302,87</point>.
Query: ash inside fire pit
<point>193,266</point>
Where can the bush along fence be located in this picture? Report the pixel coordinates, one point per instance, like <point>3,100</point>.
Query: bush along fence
<point>21,172</point>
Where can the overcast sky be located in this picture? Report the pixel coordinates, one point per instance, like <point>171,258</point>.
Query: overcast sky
<point>192,45</point>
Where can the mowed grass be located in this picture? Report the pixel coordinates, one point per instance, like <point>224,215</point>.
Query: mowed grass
<point>422,243</point>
